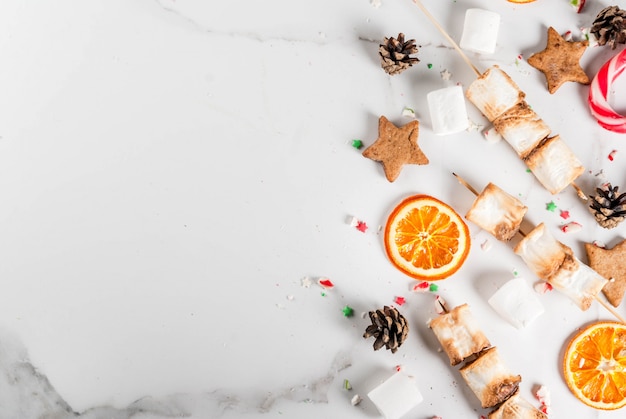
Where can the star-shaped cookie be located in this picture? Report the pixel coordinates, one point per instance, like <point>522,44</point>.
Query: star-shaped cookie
<point>395,147</point>
<point>610,264</point>
<point>559,61</point>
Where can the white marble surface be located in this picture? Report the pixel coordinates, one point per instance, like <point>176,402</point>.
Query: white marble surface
<point>170,171</point>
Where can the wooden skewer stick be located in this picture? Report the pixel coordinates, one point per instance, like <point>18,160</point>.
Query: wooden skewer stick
<point>610,309</point>
<point>448,37</point>
<point>464,183</point>
<point>597,298</point>
<point>579,191</point>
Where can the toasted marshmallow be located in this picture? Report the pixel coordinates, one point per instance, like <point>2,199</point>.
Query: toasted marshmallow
<point>554,165</point>
<point>497,212</point>
<point>459,334</point>
<point>517,407</point>
<point>522,128</point>
<point>578,281</point>
<point>541,252</point>
<point>490,379</point>
<point>493,93</point>
<point>517,303</point>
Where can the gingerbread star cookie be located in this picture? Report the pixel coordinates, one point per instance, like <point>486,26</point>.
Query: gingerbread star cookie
<point>559,61</point>
<point>610,263</point>
<point>395,147</point>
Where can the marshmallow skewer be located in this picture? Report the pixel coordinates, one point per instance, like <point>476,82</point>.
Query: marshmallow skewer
<point>553,262</point>
<point>481,366</point>
<point>550,160</point>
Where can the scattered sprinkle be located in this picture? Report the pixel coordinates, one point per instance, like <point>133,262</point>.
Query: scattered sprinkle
<point>361,226</point>
<point>568,36</point>
<point>429,65</point>
<point>398,368</point>
<point>399,300</point>
<point>347,311</point>
<point>601,175</point>
<point>473,126</point>
<point>445,74</point>
<point>423,286</point>
<point>433,288</point>
<point>564,214</point>
<point>542,287</point>
<point>515,273</point>
<point>440,305</point>
<point>356,400</point>
<point>492,136</point>
<point>486,245</point>
<point>290,297</point>
<point>587,35</point>
<point>357,144</point>
<point>612,155</point>
<point>325,283</point>
<point>572,227</point>
<point>598,243</point>
<point>408,112</point>
<point>347,385</point>
<point>551,206</point>
<point>323,294</point>
<point>543,396</point>
<point>306,282</point>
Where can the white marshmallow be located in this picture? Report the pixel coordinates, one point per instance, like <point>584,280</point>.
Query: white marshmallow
<point>480,31</point>
<point>517,303</point>
<point>396,396</point>
<point>447,110</point>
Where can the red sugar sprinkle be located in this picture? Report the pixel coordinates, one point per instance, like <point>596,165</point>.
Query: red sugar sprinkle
<point>398,368</point>
<point>399,300</point>
<point>422,286</point>
<point>564,214</point>
<point>325,283</point>
<point>361,226</point>
<point>571,227</point>
<point>612,155</point>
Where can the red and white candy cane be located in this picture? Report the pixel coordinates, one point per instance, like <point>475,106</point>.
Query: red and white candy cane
<point>599,90</point>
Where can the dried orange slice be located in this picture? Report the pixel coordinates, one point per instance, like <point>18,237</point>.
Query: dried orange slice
<point>426,239</point>
<point>594,365</point>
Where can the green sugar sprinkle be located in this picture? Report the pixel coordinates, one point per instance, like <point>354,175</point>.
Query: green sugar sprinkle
<point>357,144</point>
<point>347,385</point>
<point>429,65</point>
<point>347,311</point>
<point>433,287</point>
<point>551,206</point>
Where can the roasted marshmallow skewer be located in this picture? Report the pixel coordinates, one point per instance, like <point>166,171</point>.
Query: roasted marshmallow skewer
<point>483,369</point>
<point>501,215</point>
<point>501,101</point>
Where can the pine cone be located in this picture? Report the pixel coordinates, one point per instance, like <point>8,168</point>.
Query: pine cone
<point>609,27</point>
<point>389,328</point>
<point>608,207</point>
<point>394,54</point>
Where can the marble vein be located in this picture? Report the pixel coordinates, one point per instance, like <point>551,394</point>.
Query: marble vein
<point>27,393</point>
